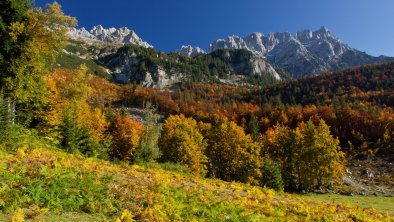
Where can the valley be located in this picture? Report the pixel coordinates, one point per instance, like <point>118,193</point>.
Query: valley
<point>100,125</point>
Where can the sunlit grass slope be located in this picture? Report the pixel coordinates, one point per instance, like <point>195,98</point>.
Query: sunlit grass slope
<point>43,185</point>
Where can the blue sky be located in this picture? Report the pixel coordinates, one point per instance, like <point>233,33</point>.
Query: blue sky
<point>367,25</point>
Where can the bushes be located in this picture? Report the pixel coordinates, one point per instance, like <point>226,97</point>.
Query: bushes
<point>41,178</point>
<point>12,134</point>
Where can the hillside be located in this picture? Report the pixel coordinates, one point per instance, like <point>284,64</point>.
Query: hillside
<point>370,83</point>
<point>110,129</point>
<point>355,103</point>
<point>56,184</point>
<point>351,94</point>
<point>144,65</point>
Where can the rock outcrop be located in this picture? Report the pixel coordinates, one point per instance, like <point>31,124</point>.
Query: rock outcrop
<point>308,52</point>
<point>112,35</point>
<point>191,51</point>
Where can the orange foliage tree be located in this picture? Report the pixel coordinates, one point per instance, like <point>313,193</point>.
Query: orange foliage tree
<point>68,116</point>
<point>126,134</point>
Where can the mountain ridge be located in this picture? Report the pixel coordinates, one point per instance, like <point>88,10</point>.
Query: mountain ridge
<point>307,52</point>
<point>112,35</point>
<point>190,51</point>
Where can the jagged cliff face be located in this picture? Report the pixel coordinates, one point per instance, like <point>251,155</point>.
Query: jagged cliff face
<point>127,58</point>
<point>126,66</point>
<point>112,35</point>
<point>308,52</point>
<point>191,51</point>
<point>156,69</point>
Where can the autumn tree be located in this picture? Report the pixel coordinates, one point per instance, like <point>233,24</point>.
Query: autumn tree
<point>74,137</point>
<point>232,155</point>
<point>279,145</point>
<point>12,12</point>
<point>320,160</point>
<point>309,156</point>
<point>126,134</point>
<point>32,40</point>
<point>69,118</point>
<point>182,142</point>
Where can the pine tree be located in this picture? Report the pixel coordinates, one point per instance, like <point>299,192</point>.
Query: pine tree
<point>253,127</point>
<point>272,177</point>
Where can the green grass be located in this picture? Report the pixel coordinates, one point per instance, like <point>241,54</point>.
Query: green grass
<point>76,49</point>
<point>377,202</point>
<point>73,62</point>
<point>56,189</point>
<point>50,185</point>
<point>61,217</point>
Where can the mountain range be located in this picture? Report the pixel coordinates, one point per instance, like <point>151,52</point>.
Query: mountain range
<point>127,58</point>
<point>308,52</point>
<point>232,60</point>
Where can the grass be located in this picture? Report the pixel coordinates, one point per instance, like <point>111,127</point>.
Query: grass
<point>380,203</point>
<point>72,61</point>
<point>60,217</point>
<point>50,185</point>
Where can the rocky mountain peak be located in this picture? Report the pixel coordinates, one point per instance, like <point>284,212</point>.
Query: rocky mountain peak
<point>323,33</point>
<point>191,51</point>
<point>111,35</point>
<point>324,30</point>
<point>304,35</point>
<point>308,52</point>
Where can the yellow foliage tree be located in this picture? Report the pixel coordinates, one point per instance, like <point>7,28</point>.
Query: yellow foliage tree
<point>309,155</point>
<point>68,112</point>
<point>320,159</point>
<point>45,34</point>
<point>182,142</point>
<point>232,155</point>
